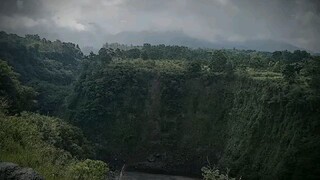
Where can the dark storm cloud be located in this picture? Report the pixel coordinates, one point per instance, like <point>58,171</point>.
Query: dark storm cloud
<point>31,8</point>
<point>294,21</point>
<point>91,21</point>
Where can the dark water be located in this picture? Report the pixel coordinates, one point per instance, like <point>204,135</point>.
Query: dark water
<point>147,176</point>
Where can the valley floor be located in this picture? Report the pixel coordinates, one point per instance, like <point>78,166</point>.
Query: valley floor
<point>147,176</point>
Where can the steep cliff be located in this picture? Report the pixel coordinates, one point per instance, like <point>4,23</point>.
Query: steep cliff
<point>159,115</point>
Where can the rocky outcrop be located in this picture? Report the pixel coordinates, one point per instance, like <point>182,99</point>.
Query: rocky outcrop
<point>11,171</point>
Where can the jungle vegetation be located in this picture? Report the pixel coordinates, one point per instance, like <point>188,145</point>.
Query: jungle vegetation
<point>160,108</point>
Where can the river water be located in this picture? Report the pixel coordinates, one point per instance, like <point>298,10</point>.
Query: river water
<point>147,176</point>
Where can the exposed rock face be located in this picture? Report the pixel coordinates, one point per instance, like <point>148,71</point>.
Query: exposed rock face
<point>11,171</point>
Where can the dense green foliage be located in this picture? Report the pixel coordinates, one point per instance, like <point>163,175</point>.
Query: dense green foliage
<point>49,145</point>
<point>48,67</point>
<point>243,109</point>
<point>254,112</point>
<point>14,97</point>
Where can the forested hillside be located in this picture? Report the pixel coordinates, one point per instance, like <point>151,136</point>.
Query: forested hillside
<point>254,112</point>
<point>48,67</point>
<point>158,108</point>
<point>51,146</point>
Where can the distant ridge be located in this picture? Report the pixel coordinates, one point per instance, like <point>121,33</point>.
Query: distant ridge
<point>181,39</point>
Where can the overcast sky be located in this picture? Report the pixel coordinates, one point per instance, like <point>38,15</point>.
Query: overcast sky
<point>90,22</point>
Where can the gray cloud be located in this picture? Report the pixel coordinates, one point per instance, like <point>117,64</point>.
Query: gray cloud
<point>90,22</point>
<point>30,8</point>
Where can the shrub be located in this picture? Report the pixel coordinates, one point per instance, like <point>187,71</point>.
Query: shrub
<point>89,169</point>
<point>212,173</point>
